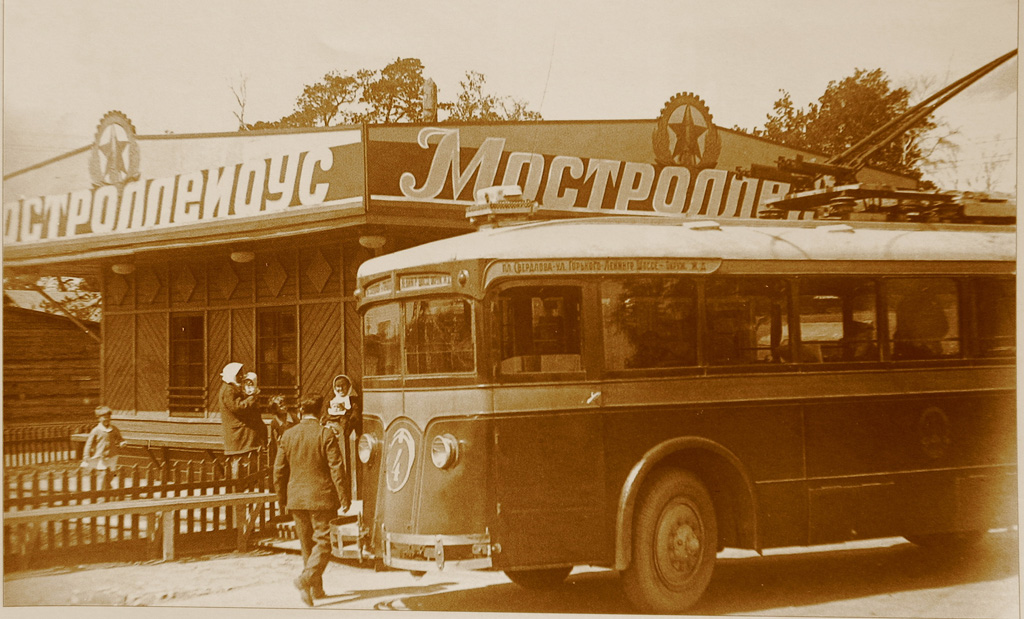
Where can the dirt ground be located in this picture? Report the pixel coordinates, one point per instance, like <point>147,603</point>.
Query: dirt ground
<point>878,578</point>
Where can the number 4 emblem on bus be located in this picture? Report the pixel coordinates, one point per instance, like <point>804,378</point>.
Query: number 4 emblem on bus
<point>401,454</point>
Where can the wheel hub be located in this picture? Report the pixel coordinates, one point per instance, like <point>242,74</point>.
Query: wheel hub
<point>679,544</point>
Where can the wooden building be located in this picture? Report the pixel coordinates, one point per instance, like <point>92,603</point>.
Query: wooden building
<point>51,369</point>
<point>244,246</point>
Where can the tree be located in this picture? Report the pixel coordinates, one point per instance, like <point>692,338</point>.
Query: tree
<point>240,92</point>
<point>847,112</point>
<point>473,104</point>
<point>320,104</point>
<point>392,94</point>
<point>79,297</point>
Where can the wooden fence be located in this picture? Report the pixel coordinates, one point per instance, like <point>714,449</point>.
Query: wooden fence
<point>130,537</point>
<point>41,444</point>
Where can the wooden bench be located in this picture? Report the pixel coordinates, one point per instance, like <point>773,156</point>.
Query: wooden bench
<point>166,507</point>
<point>157,446</point>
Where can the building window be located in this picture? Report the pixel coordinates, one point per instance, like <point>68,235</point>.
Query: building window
<point>924,320</point>
<point>649,322</point>
<point>276,347</point>
<point>187,378</point>
<point>837,320</point>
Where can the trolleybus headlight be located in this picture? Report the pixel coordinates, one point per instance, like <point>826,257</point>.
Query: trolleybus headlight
<point>367,445</point>
<point>444,451</point>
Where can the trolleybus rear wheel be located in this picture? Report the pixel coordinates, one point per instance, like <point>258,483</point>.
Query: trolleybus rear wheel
<point>546,578</point>
<point>675,538</point>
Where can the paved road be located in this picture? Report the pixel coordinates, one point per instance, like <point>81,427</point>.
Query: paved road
<point>883,578</point>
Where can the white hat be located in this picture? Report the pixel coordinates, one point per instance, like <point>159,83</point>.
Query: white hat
<point>230,372</point>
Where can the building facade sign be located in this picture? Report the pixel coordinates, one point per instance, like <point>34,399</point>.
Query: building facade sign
<point>438,168</point>
<point>119,204</point>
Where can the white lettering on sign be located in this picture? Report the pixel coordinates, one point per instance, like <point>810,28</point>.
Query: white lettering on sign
<point>578,266</point>
<point>247,189</point>
<point>577,184</point>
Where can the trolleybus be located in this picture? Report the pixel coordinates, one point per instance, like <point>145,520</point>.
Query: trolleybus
<point>640,393</point>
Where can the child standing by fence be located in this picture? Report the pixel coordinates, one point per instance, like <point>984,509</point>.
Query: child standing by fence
<point>101,447</point>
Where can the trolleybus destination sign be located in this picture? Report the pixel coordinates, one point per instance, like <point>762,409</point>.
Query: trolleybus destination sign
<point>595,266</point>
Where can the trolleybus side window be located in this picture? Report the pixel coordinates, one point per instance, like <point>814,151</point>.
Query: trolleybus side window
<point>381,345</point>
<point>538,330</point>
<point>438,336</point>
<point>924,318</point>
<point>837,319</point>
<point>747,321</point>
<point>649,322</point>
<point>995,311</point>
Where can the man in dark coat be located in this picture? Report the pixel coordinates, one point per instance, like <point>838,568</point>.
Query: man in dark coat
<point>309,475</point>
<point>243,427</point>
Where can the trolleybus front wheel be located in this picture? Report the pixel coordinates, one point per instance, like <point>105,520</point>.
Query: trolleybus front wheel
<point>675,538</point>
<point>546,578</point>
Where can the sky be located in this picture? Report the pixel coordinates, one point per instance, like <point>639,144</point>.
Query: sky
<point>171,65</point>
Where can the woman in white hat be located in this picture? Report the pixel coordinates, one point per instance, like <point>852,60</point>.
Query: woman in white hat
<point>243,427</point>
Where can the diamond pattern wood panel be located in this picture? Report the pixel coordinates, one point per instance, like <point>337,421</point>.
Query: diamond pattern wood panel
<point>151,361</point>
<point>151,285</point>
<point>320,271</point>
<point>275,275</point>
<point>218,330</point>
<point>188,284</point>
<point>321,355</point>
<point>118,292</point>
<point>118,361</point>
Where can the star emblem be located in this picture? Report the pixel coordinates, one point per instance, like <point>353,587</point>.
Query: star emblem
<point>112,149</point>
<point>115,151</point>
<point>685,135</point>
<point>687,150</point>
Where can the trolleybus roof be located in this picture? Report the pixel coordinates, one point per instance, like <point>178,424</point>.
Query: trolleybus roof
<point>631,237</point>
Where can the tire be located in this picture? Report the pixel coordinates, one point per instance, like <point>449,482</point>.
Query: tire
<point>675,540</point>
<point>547,578</point>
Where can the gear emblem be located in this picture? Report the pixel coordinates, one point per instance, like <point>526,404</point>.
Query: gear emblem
<point>115,151</point>
<point>685,134</point>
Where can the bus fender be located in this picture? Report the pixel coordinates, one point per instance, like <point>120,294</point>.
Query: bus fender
<point>650,461</point>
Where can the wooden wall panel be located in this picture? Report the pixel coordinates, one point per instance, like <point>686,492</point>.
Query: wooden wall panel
<point>218,332</point>
<point>119,362</point>
<point>321,354</point>
<point>354,255</point>
<point>151,285</point>
<point>228,282</point>
<point>276,275</point>
<point>151,361</point>
<point>187,284</point>
<point>320,271</point>
<point>353,343</point>
<point>118,291</point>
<point>243,339</point>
